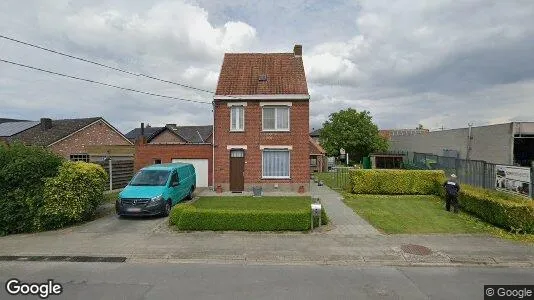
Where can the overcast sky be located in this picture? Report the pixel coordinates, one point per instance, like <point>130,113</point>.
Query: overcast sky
<point>437,63</point>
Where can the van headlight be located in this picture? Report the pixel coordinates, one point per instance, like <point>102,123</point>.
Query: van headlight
<point>157,198</point>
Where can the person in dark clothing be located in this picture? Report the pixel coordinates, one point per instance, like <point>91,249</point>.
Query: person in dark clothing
<point>452,189</point>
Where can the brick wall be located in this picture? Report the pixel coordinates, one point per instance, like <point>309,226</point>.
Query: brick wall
<point>98,133</point>
<point>145,154</point>
<point>253,137</point>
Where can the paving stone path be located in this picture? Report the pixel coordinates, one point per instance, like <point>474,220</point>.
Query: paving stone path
<point>343,218</point>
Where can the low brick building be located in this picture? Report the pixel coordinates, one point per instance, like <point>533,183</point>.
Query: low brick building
<point>69,138</point>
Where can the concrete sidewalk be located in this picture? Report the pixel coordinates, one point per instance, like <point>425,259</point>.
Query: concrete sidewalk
<point>344,220</point>
<point>138,243</point>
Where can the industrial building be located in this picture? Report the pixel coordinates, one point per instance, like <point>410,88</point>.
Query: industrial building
<point>509,143</point>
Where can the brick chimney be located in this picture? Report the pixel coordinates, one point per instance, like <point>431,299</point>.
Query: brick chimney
<point>141,138</point>
<point>46,123</point>
<point>297,50</point>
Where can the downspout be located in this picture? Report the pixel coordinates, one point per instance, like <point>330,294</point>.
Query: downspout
<point>213,148</point>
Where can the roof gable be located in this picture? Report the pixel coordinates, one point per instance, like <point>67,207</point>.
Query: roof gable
<point>59,130</point>
<point>241,74</point>
<point>189,134</point>
<point>315,148</point>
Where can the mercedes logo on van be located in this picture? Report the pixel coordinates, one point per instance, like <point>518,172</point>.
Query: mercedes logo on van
<point>134,202</point>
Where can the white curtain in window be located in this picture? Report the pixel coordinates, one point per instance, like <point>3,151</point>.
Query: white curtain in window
<point>237,117</point>
<point>269,117</point>
<point>276,163</point>
<point>282,120</point>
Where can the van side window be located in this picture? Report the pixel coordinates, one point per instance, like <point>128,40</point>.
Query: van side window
<point>174,179</point>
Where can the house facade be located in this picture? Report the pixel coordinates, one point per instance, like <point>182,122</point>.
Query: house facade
<point>261,122</point>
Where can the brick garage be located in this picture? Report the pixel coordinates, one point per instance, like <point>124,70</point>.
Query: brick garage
<point>146,154</point>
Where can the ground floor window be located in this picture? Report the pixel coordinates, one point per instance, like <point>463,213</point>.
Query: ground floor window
<point>276,163</point>
<point>80,157</point>
<point>157,161</point>
<point>313,162</point>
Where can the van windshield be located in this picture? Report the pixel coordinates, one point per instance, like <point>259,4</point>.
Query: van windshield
<point>150,178</point>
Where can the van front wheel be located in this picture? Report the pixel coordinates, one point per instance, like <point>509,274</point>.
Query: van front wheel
<point>167,209</point>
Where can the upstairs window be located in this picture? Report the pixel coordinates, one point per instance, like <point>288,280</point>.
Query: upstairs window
<point>237,118</point>
<point>276,118</point>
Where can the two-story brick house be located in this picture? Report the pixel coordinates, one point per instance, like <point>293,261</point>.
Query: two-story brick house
<point>261,117</point>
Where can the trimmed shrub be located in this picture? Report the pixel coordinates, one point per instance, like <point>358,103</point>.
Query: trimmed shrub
<point>23,171</point>
<point>73,195</point>
<point>397,182</point>
<point>188,217</point>
<point>501,209</point>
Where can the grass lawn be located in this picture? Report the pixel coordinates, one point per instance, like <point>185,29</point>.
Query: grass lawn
<point>412,214</point>
<point>254,203</point>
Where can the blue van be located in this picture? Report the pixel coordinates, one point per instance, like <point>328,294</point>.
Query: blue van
<point>155,189</point>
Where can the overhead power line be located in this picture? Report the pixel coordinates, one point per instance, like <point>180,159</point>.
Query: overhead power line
<point>102,83</point>
<point>104,65</point>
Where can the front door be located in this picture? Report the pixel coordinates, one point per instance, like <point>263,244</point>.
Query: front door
<point>237,170</point>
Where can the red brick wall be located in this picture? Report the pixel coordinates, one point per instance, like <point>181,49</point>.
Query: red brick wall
<point>146,153</point>
<point>97,134</point>
<point>253,137</point>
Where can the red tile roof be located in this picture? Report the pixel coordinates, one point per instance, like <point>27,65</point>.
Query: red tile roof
<point>315,148</point>
<point>240,74</point>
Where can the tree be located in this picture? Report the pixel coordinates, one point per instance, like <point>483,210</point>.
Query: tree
<point>420,127</point>
<point>353,131</point>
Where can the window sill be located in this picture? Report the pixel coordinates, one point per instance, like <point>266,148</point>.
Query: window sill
<point>276,177</point>
<point>277,131</point>
<point>237,130</point>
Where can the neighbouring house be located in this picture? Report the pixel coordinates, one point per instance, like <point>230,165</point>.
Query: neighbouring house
<point>315,134</point>
<point>70,138</point>
<point>318,162</point>
<point>172,143</point>
<point>509,143</point>
<point>261,116</point>
<point>148,131</point>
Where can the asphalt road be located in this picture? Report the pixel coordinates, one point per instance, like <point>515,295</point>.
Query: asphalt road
<point>210,281</point>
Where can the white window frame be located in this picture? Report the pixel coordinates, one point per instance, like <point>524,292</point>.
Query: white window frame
<point>80,157</point>
<point>281,105</point>
<point>240,128</point>
<point>289,160</point>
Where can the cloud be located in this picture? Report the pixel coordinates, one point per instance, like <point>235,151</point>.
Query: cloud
<point>438,63</point>
<point>173,40</point>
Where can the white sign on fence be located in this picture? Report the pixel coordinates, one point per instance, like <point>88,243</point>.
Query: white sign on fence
<point>514,180</point>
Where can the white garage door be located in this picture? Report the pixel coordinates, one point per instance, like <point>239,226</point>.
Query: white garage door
<point>201,168</point>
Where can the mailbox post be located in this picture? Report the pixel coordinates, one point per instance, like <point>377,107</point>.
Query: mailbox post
<point>315,212</point>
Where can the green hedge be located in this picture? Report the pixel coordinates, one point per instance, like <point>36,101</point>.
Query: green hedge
<point>73,195</point>
<point>504,210</point>
<point>188,217</point>
<point>23,172</point>
<point>397,182</point>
